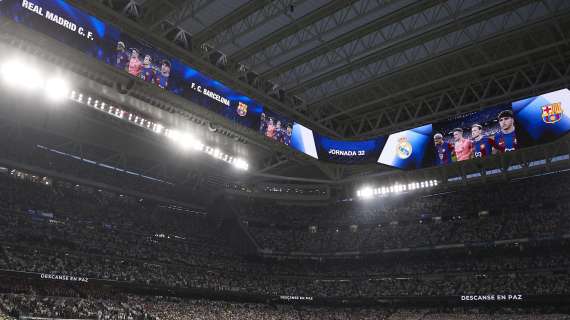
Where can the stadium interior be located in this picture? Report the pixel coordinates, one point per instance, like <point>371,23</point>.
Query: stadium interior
<point>285,159</point>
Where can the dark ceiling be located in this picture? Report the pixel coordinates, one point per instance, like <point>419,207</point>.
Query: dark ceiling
<point>357,69</point>
<point>354,69</point>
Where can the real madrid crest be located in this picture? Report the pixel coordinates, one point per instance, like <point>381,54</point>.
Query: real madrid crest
<point>552,113</point>
<point>404,148</point>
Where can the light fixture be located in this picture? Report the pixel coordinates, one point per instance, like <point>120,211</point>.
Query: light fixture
<point>57,89</point>
<point>21,75</point>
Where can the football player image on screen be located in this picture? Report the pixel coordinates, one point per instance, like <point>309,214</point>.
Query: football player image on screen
<point>122,57</point>
<point>482,145</point>
<point>462,147</point>
<point>135,64</point>
<point>278,132</point>
<point>161,78</point>
<point>287,136</point>
<point>262,123</point>
<point>443,150</point>
<point>270,131</point>
<point>505,140</point>
<point>147,72</point>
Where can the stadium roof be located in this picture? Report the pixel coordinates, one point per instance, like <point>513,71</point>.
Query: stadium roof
<point>363,68</point>
<point>358,69</point>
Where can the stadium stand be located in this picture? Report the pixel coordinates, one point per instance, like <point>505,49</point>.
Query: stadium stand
<point>284,160</point>
<point>68,229</point>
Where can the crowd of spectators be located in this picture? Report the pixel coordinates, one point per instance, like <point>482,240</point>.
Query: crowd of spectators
<point>81,231</point>
<point>101,166</point>
<point>95,302</point>
<point>86,230</point>
<point>478,214</point>
<point>162,308</point>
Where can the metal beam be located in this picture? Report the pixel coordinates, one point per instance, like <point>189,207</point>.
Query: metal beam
<point>495,63</point>
<point>397,47</point>
<point>256,20</point>
<point>274,160</point>
<point>296,26</point>
<point>471,61</point>
<point>230,76</point>
<point>347,37</point>
<point>228,20</point>
<point>500,88</point>
<point>156,11</point>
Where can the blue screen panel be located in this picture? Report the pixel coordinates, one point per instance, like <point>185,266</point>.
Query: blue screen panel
<point>543,118</point>
<point>407,149</point>
<point>63,22</point>
<point>349,152</point>
<point>303,140</point>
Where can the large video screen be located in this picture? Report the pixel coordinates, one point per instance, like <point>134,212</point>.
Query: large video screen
<point>475,135</point>
<point>276,127</point>
<point>349,152</point>
<point>303,140</point>
<point>543,118</point>
<point>59,20</point>
<point>493,130</point>
<point>407,149</point>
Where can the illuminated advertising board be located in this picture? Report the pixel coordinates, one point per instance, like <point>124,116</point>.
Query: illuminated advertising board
<point>543,118</point>
<point>493,130</point>
<point>407,149</point>
<point>59,20</point>
<point>349,152</point>
<point>475,135</point>
<point>276,127</point>
<point>303,140</point>
<point>63,22</point>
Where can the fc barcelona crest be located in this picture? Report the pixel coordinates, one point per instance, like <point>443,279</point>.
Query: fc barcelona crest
<point>552,113</point>
<point>242,109</point>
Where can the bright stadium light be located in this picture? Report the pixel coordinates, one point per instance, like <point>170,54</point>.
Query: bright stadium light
<point>56,89</point>
<point>22,75</point>
<point>366,192</point>
<point>186,141</point>
<point>240,164</point>
<point>157,128</point>
<point>395,189</point>
<point>198,145</point>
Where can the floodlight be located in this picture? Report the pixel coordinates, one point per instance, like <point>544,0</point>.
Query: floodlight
<point>240,164</point>
<point>16,73</point>
<point>57,89</point>
<point>366,192</point>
